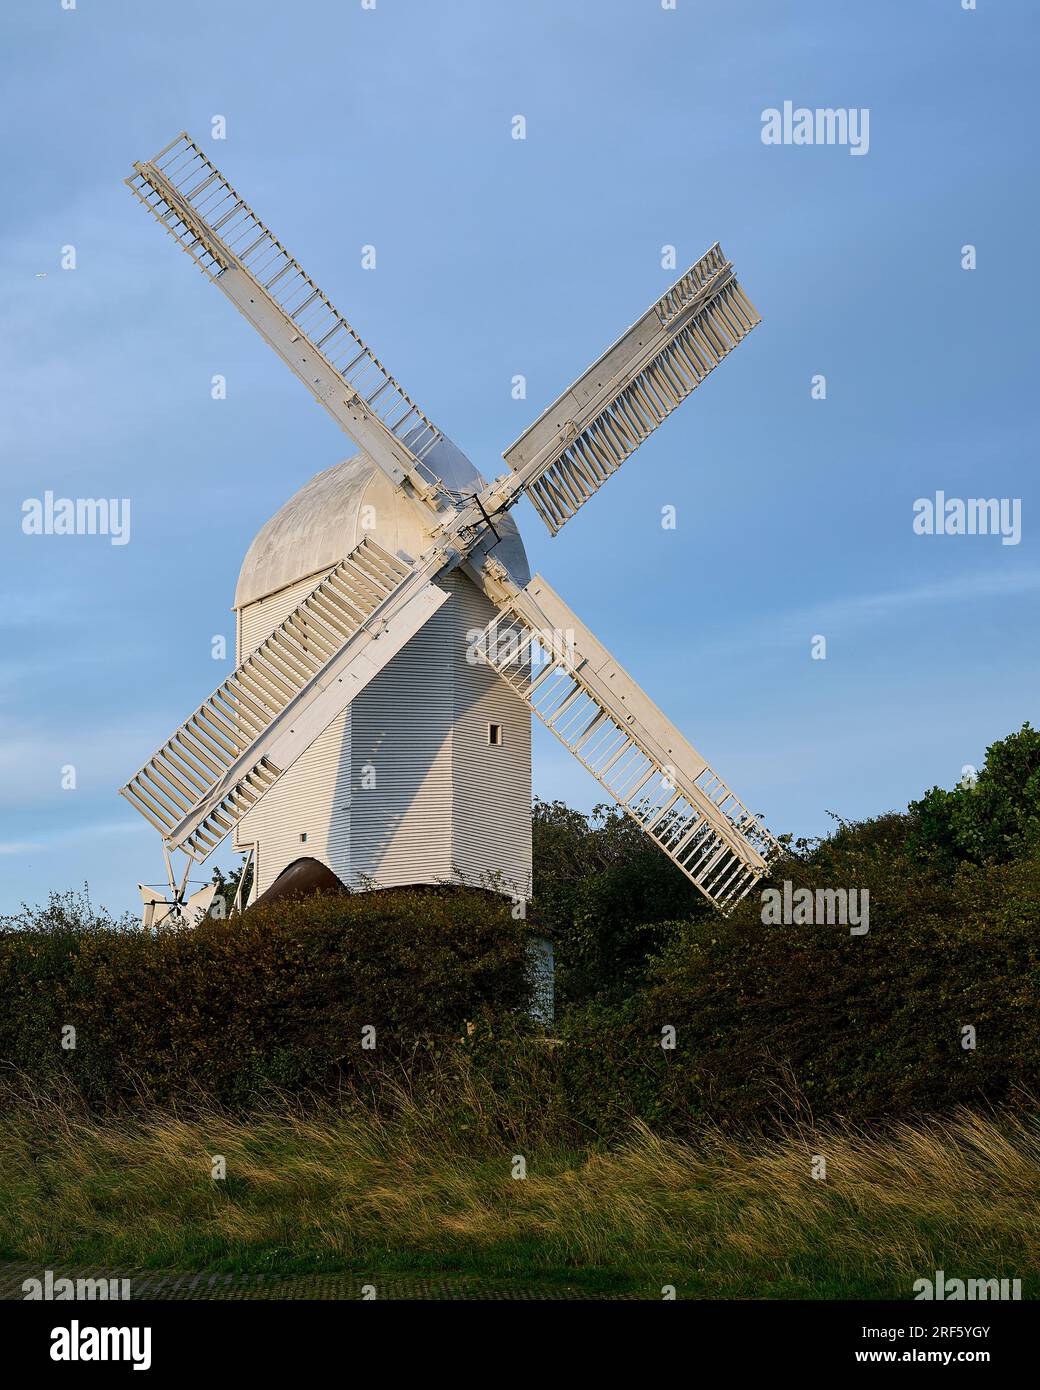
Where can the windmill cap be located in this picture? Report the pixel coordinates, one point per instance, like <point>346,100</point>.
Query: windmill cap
<point>329,516</point>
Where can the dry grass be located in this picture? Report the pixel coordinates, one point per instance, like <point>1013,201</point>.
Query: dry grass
<point>352,1190</point>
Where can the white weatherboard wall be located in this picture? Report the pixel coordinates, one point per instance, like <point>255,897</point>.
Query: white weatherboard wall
<point>404,786</point>
<point>491,807</point>
<point>313,796</point>
<point>401,739</point>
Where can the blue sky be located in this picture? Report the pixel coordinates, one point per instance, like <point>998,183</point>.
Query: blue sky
<point>495,256</point>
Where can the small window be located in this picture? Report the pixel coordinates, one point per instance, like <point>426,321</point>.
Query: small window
<point>495,735</point>
<point>303,837</point>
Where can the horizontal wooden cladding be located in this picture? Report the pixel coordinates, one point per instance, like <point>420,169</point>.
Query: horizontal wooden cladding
<point>586,462</point>
<point>188,769</point>
<point>443,806</point>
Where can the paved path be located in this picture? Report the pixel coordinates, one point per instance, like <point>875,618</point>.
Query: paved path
<point>166,1284</point>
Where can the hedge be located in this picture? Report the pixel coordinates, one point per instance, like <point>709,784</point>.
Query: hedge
<point>780,1020</point>
<point>769,1020</point>
<point>277,998</point>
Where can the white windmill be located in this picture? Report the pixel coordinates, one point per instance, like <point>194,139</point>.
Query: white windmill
<point>391,641</point>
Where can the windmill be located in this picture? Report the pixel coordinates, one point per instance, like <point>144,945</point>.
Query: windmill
<point>390,602</point>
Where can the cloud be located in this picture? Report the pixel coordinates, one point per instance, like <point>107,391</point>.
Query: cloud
<point>59,607</point>
<point>31,761</point>
<point>69,835</point>
<point>965,588</point>
<point>858,610</point>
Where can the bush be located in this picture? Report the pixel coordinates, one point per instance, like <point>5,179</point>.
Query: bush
<point>992,819</point>
<point>775,1021</point>
<point>277,998</point>
<point>607,897</point>
<point>768,1019</point>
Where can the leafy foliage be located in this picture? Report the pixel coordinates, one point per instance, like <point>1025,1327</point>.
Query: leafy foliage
<point>809,1021</point>
<point>606,896</point>
<point>277,998</point>
<point>769,1020</point>
<point>992,820</point>
<point>227,884</point>
<point>774,1020</point>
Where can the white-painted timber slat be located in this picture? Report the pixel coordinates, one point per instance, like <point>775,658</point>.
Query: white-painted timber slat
<point>611,726</point>
<point>598,422</point>
<point>281,697</point>
<point>208,219</point>
<point>403,787</point>
<point>312,797</point>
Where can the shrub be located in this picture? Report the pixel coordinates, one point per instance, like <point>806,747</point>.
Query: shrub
<point>809,1020</point>
<point>769,1019</point>
<point>277,998</point>
<point>607,897</point>
<point>995,818</point>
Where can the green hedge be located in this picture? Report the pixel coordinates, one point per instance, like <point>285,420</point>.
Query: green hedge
<point>811,1021</point>
<point>769,1020</point>
<point>277,998</point>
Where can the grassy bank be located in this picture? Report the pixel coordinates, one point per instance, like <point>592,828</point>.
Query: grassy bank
<point>352,1191</point>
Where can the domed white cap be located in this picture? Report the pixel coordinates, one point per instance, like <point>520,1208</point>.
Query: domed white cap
<point>335,511</point>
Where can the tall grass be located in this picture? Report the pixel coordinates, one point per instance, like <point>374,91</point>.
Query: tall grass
<point>425,1186</point>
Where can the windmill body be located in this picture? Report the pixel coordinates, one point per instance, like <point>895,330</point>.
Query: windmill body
<point>425,777</point>
<point>392,642</point>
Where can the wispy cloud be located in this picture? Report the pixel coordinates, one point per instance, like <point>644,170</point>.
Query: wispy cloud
<point>962,589</point>
<point>88,830</point>
<point>32,761</point>
<point>859,610</point>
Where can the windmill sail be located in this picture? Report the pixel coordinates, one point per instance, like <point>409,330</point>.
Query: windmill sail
<point>236,745</point>
<point>588,433</point>
<point>598,711</point>
<point>193,201</point>
<point>240,741</point>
